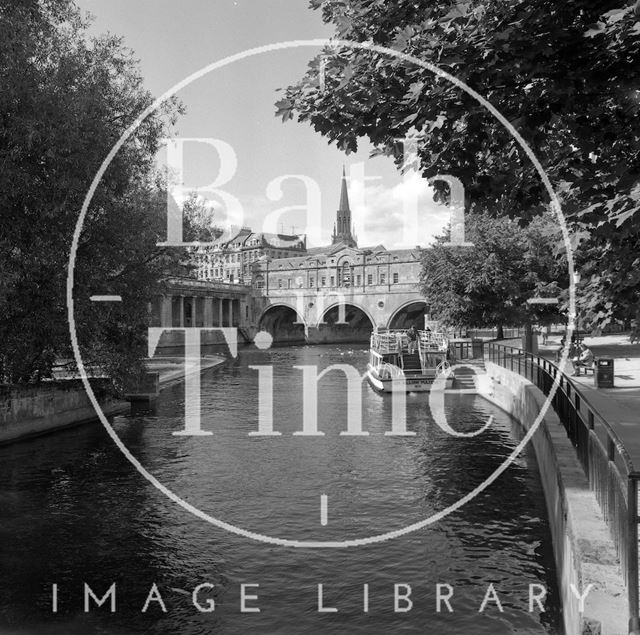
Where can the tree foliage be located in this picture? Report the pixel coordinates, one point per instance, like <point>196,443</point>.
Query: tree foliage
<point>65,99</point>
<point>490,283</point>
<point>566,77</point>
<point>199,224</point>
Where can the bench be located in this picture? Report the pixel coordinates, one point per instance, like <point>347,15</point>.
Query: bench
<point>587,369</point>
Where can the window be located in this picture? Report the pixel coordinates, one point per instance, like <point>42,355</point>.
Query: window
<point>311,281</point>
<point>369,278</point>
<point>382,278</point>
<point>358,280</point>
<point>324,281</point>
<point>279,283</point>
<point>333,281</point>
<point>289,283</point>
<point>344,275</point>
<point>395,278</point>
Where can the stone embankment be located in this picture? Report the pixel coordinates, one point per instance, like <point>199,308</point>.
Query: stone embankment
<point>584,552</point>
<point>27,411</point>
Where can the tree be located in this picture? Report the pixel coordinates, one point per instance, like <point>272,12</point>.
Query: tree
<point>566,75</point>
<point>199,222</point>
<point>490,283</point>
<point>65,100</point>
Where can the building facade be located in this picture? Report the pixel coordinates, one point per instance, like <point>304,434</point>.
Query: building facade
<point>369,269</point>
<point>341,265</point>
<point>373,285</point>
<point>232,260</point>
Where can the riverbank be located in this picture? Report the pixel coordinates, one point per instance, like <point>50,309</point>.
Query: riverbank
<point>584,552</point>
<point>30,411</point>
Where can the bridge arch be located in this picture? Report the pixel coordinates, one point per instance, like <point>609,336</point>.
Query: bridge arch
<point>283,322</point>
<point>353,311</point>
<point>280,305</point>
<point>411,312</point>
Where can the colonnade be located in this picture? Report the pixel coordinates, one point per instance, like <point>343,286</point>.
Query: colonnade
<point>179,311</point>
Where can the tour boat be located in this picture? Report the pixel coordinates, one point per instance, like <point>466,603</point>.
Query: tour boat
<point>391,366</point>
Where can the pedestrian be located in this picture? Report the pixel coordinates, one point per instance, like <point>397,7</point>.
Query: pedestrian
<point>583,359</point>
<point>545,335</point>
<point>412,337</point>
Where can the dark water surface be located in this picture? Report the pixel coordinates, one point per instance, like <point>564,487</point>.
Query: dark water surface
<point>75,511</point>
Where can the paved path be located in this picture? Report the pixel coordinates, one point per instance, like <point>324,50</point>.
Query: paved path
<point>619,406</point>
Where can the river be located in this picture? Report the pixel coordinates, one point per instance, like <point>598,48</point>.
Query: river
<point>75,511</point>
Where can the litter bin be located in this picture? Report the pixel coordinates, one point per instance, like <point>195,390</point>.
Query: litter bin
<point>603,372</point>
<point>530,342</point>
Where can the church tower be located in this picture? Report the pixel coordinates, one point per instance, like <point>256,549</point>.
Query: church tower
<point>342,229</point>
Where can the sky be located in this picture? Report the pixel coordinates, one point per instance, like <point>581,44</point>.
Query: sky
<point>254,155</point>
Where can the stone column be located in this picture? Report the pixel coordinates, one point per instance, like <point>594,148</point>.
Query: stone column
<point>194,311</point>
<point>166,313</point>
<point>181,311</point>
<point>220,312</point>
<point>208,311</point>
<point>230,311</point>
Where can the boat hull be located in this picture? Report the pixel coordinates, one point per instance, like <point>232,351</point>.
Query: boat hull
<point>410,383</point>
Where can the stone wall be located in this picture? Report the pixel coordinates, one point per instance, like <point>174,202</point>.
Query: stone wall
<point>33,410</point>
<point>583,550</point>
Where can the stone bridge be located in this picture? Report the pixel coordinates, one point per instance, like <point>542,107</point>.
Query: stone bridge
<point>338,314</point>
<point>313,315</point>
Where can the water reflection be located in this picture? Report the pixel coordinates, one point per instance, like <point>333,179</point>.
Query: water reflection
<point>75,511</point>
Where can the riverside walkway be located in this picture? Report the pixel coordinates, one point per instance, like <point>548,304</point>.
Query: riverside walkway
<point>603,426</point>
<point>619,406</point>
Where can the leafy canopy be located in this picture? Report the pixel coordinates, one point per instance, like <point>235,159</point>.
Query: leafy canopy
<point>65,100</point>
<point>490,283</point>
<point>566,75</point>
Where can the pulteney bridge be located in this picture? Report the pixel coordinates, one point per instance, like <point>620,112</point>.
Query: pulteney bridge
<point>313,315</point>
<point>338,314</point>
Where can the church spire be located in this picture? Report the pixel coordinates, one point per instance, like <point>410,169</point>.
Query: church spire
<point>344,196</point>
<point>343,217</point>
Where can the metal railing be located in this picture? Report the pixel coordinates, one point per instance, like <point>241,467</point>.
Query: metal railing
<point>432,341</point>
<point>465,349</point>
<point>390,371</point>
<point>396,341</point>
<point>492,333</point>
<point>604,459</point>
<point>386,342</point>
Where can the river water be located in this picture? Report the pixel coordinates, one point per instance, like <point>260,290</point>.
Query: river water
<point>75,511</point>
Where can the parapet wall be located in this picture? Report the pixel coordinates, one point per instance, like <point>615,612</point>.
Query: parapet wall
<point>27,411</point>
<point>584,552</point>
